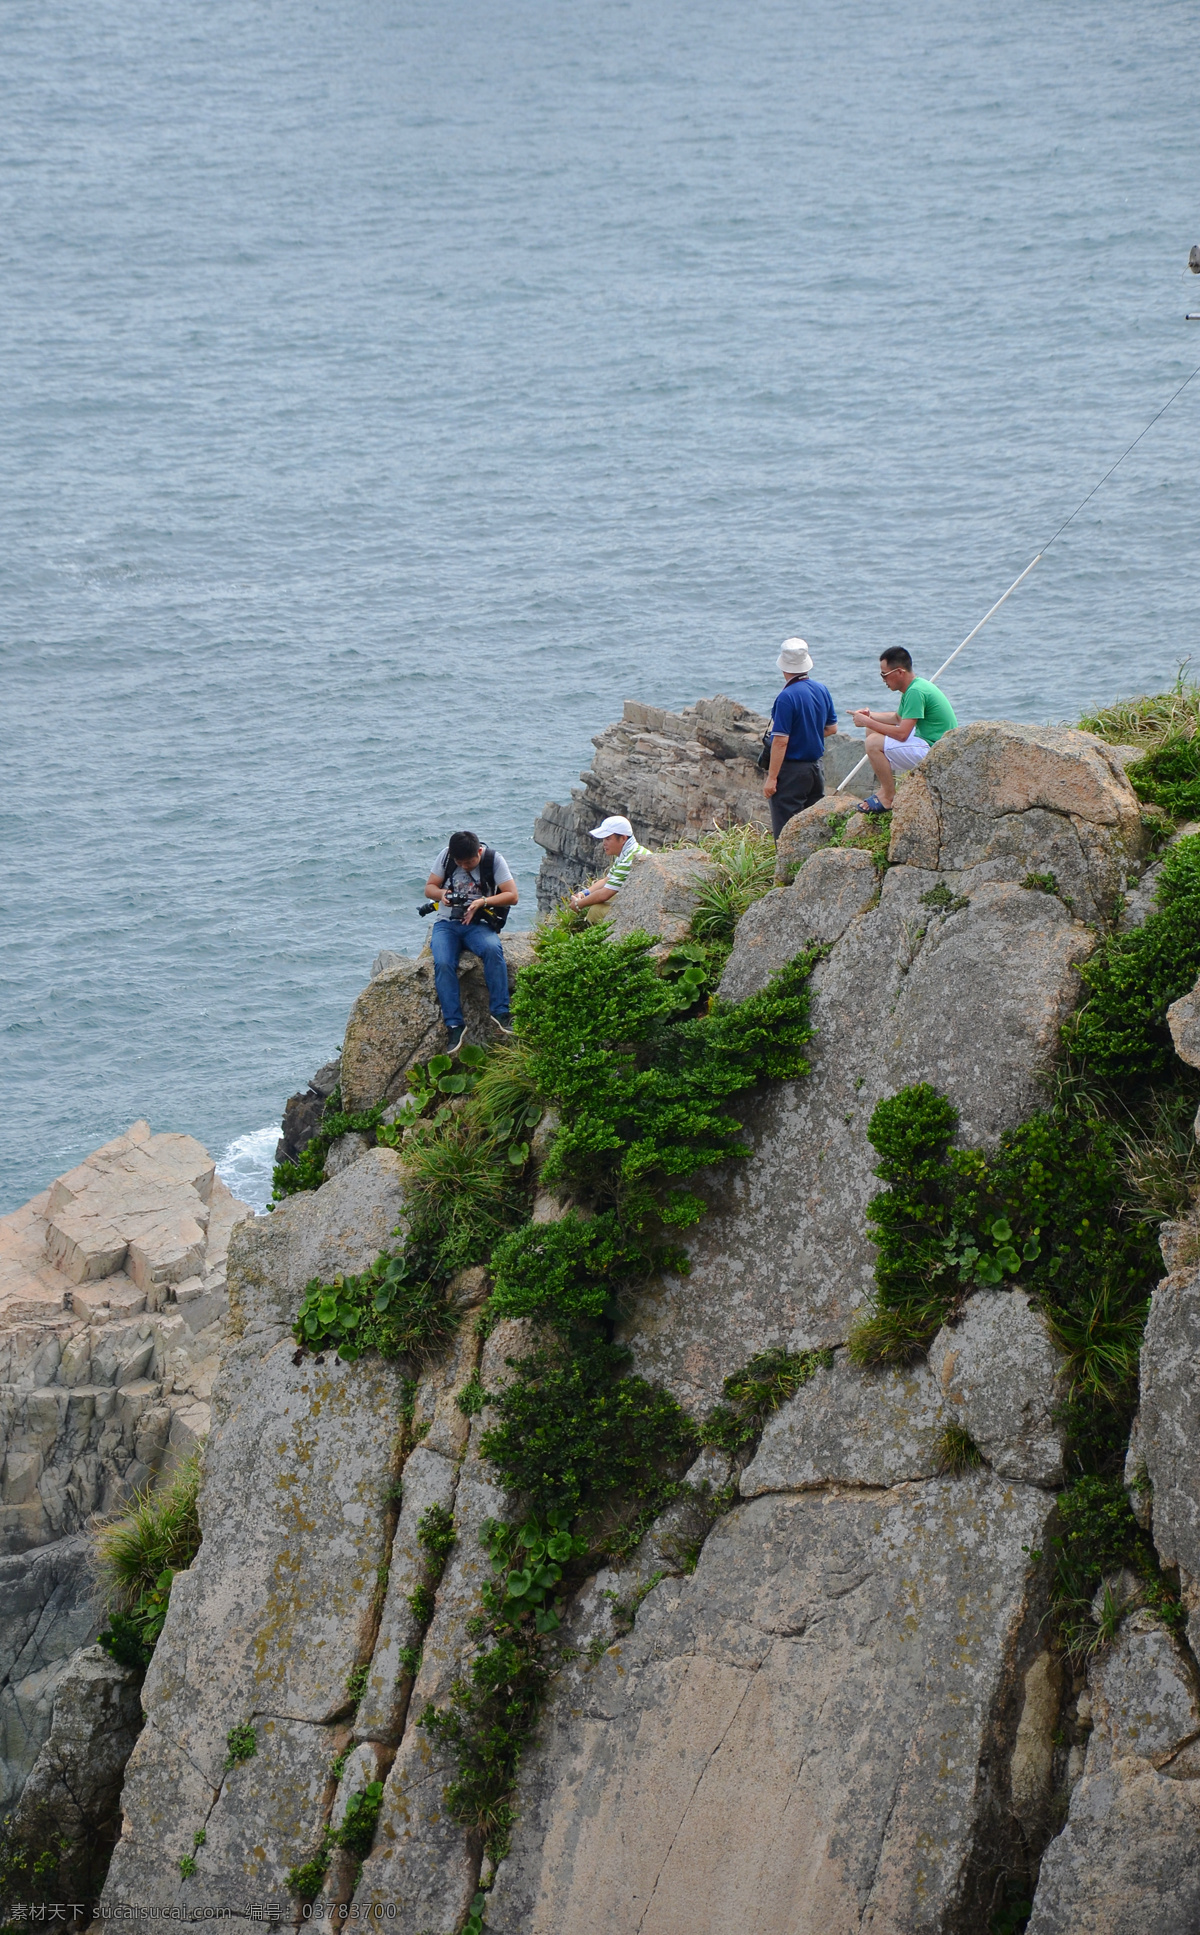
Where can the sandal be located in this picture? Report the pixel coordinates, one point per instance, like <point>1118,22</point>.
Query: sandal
<point>872,805</point>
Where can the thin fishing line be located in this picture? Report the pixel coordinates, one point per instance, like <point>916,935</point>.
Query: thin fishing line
<point>1121,459</point>
<point>1039,555</point>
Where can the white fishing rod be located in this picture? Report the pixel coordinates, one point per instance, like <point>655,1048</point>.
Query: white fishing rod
<point>842,785</point>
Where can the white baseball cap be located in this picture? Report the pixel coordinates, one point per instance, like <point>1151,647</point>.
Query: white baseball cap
<point>615,823</point>
<point>794,656</point>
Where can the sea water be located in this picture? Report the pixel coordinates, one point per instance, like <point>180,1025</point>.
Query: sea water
<point>389,391</point>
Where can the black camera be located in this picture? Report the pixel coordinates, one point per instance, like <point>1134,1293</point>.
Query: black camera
<point>456,902</point>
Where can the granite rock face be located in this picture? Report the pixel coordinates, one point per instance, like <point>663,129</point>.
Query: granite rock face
<point>396,1022</point>
<point>806,833</point>
<point>846,1715</point>
<point>1169,1430</point>
<point>1128,1860</point>
<point>995,1373</point>
<point>1001,1379</point>
<point>850,1427</point>
<point>280,1604</point>
<point>790,1740</point>
<point>660,895</point>
<point>48,1610</point>
<point>836,885</point>
<point>1002,801</point>
<point>674,774</point>
<point>112,1308</point>
<point>970,1000</point>
<point>74,1786</point>
<point>342,1226</point>
<point>302,1112</point>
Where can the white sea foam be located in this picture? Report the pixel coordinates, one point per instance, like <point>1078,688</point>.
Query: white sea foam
<point>246,1165</point>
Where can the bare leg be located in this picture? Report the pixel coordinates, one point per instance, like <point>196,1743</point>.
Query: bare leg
<point>886,786</point>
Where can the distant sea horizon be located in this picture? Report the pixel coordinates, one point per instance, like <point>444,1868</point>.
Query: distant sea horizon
<point>392,392</point>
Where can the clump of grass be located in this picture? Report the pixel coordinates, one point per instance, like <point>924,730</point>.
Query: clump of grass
<point>162,1529</point>
<point>436,1533</point>
<point>870,830</point>
<point>754,1392</point>
<point>743,862</point>
<point>356,1835</point>
<point>307,1878</point>
<point>137,1558</point>
<point>944,902</point>
<point>458,1178</point>
<point>505,1089</point>
<point>1160,1157</point>
<point>956,1451</point>
<point>1149,718</point>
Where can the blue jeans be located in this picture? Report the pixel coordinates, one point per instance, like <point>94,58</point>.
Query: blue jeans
<point>447,941</point>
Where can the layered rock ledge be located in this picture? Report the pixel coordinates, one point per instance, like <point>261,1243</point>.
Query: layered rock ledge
<point>675,775</point>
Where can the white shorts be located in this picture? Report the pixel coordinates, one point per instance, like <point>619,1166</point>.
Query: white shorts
<point>904,754</point>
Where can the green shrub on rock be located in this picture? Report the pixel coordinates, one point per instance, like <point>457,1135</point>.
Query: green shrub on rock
<point>1119,1039</point>
<point>575,1431</point>
<point>1169,776</point>
<point>1047,1208</point>
<point>307,1171</point>
<point>1098,1536</point>
<point>570,1270</point>
<point>642,1094</point>
<point>397,1306</point>
<point>753,1393</point>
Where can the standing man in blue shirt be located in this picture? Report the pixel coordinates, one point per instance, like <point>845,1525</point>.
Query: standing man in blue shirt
<point>801,720</point>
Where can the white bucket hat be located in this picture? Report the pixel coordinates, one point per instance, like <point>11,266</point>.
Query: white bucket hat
<point>794,657</point>
<point>615,823</point>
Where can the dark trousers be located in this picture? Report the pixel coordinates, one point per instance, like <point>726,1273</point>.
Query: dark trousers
<point>799,785</point>
<point>447,941</point>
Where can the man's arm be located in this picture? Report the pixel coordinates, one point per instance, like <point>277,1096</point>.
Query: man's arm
<point>830,730</point>
<point>889,723</point>
<point>593,896</point>
<point>505,896</point>
<point>779,746</point>
<point>434,886</point>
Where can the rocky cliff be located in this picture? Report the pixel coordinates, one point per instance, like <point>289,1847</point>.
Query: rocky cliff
<point>112,1306</point>
<point>674,775</point>
<point>834,1676</point>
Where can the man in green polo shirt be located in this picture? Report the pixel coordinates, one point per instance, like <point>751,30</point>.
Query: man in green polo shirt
<point>898,741</point>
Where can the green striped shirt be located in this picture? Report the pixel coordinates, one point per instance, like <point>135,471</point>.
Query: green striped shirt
<point>618,873</point>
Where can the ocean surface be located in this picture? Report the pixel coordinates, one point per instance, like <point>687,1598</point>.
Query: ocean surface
<point>389,391</point>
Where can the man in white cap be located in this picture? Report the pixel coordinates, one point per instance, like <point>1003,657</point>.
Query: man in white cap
<point>801,720</point>
<point>616,836</point>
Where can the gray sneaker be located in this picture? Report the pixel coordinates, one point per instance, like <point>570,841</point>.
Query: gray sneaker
<point>456,1038</point>
<point>503,1025</point>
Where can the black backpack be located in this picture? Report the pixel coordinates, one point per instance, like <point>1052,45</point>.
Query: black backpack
<point>490,917</point>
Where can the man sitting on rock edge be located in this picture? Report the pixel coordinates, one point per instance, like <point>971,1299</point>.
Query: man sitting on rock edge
<point>616,835</point>
<point>470,882</point>
<point>898,741</point>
